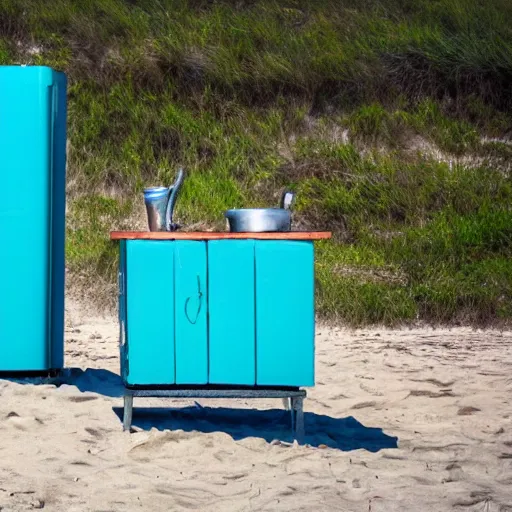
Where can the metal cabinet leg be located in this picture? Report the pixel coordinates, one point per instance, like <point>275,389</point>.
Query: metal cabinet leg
<point>291,408</point>
<point>127,413</point>
<point>298,410</point>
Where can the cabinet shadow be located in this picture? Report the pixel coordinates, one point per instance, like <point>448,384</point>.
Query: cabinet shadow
<point>343,434</point>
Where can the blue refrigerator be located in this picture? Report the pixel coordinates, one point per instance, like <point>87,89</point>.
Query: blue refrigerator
<point>32,218</point>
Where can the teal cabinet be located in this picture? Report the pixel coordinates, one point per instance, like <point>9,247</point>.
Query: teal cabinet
<point>221,312</point>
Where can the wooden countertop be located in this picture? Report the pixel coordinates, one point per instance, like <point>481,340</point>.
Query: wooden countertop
<point>207,235</point>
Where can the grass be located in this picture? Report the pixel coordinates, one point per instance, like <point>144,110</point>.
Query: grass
<point>390,119</point>
<point>373,124</point>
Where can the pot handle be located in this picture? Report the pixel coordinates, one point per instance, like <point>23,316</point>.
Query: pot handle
<point>199,302</point>
<point>171,202</point>
<point>287,199</point>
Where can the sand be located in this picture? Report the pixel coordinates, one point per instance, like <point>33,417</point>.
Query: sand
<point>399,420</point>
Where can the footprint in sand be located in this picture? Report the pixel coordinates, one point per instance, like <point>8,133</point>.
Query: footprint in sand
<point>80,398</point>
<point>431,394</point>
<point>467,411</point>
<point>94,433</point>
<point>435,382</point>
<point>363,405</point>
<point>455,473</point>
<point>24,423</point>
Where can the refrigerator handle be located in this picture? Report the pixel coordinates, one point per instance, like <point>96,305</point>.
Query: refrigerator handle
<point>52,101</point>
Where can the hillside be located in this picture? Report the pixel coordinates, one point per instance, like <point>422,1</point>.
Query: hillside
<point>391,119</point>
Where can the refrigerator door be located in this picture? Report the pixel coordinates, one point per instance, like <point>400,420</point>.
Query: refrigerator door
<point>26,160</point>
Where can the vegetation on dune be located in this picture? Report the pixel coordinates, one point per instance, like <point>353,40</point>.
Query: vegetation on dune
<point>391,120</point>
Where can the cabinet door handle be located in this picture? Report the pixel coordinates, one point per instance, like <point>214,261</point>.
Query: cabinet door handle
<point>199,302</point>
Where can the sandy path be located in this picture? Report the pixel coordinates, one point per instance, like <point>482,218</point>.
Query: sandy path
<point>445,394</point>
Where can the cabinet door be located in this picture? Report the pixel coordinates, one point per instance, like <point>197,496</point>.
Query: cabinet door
<point>150,312</point>
<point>121,308</point>
<point>231,312</point>
<point>190,296</point>
<point>285,321</point>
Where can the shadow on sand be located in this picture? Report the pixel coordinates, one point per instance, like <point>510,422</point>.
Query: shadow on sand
<point>91,380</point>
<point>339,433</point>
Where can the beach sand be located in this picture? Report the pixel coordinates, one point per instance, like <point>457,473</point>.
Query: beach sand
<point>399,420</point>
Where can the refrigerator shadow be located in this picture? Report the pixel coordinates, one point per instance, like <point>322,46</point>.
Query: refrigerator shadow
<point>91,380</point>
<point>343,434</point>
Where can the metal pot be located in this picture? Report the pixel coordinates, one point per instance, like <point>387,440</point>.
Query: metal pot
<point>259,220</point>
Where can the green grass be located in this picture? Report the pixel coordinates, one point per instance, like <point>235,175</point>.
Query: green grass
<point>453,267</point>
<point>373,123</point>
<point>350,103</point>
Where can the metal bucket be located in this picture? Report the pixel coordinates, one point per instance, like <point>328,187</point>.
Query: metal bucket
<point>156,199</point>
